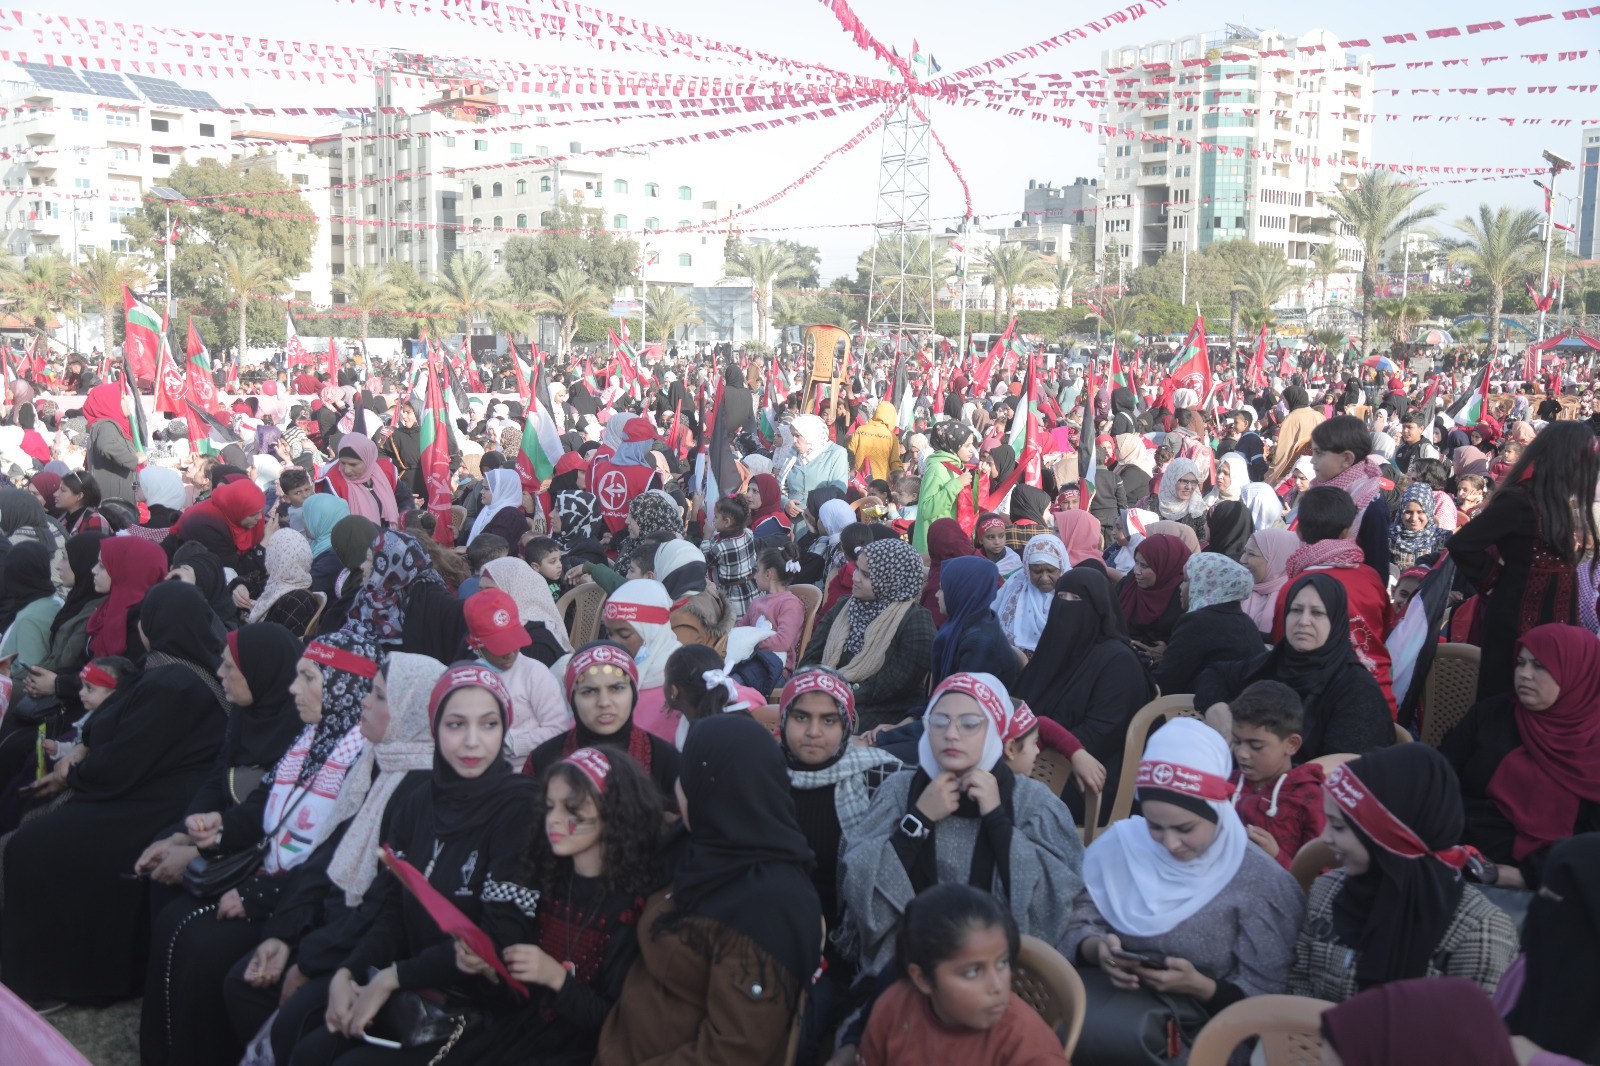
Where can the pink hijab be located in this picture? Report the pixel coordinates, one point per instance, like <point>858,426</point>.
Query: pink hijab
<point>1262,604</point>
<point>370,496</point>
<point>1080,532</point>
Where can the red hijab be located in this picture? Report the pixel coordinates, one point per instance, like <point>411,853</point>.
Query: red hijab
<point>1165,554</point>
<point>771,502</point>
<point>236,501</point>
<point>104,404</point>
<point>133,564</point>
<point>1425,1019</point>
<point>946,541</point>
<point>1539,785</point>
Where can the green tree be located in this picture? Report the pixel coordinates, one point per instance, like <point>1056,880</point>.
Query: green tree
<point>1377,209</point>
<point>467,291</point>
<point>807,261</point>
<point>1252,318</point>
<point>40,290</point>
<point>1068,275</point>
<point>1502,246</point>
<point>576,237</point>
<point>767,266</point>
<point>1118,316</point>
<point>248,275</point>
<point>1325,264</point>
<point>568,296</point>
<point>1397,318</point>
<point>366,290</point>
<point>100,278</point>
<point>1008,268</point>
<point>671,310</point>
<point>893,291</point>
<point>1213,273</point>
<point>1467,332</point>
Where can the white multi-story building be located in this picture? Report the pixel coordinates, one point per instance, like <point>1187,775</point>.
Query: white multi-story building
<point>1268,104</point>
<point>83,149</point>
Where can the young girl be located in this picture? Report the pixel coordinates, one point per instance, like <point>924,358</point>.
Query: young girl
<point>777,608</point>
<point>594,865</point>
<point>990,539</point>
<point>698,687</point>
<point>953,1002</point>
<point>100,679</point>
<point>732,553</point>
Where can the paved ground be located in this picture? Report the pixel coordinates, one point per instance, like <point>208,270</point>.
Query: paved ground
<point>107,1036</point>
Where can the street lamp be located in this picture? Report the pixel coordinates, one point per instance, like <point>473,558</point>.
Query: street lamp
<point>1557,165</point>
<point>1183,286</point>
<point>168,197</point>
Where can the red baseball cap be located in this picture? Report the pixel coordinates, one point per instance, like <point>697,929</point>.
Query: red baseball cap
<point>638,429</point>
<point>493,623</point>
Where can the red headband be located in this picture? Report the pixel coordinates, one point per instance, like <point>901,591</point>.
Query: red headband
<point>595,766</point>
<point>586,659</point>
<point>469,675</point>
<point>636,612</point>
<point>1171,777</point>
<point>1378,822</point>
<point>992,522</point>
<point>996,708</point>
<point>95,675</point>
<point>823,681</point>
<point>1022,722</point>
<point>340,659</point>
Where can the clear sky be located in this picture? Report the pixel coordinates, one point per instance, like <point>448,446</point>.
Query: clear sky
<point>998,153</point>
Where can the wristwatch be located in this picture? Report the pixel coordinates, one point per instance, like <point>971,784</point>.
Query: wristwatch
<point>915,827</point>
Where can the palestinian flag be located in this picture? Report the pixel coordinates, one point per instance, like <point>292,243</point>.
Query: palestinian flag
<point>767,417</point>
<point>717,469</point>
<point>541,444</point>
<point>522,375</point>
<point>1119,377</point>
<point>1023,436</point>
<point>142,346</point>
<point>216,435</point>
<point>1191,367</point>
<point>624,363</point>
<point>435,440</point>
<point>1086,441</point>
<point>979,385</point>
<point>1470,407</point>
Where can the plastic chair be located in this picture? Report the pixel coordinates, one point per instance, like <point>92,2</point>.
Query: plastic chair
<point>1290,1029</point>
<point>1329,762</point>
<point>1045,981</point>
<point>1310,861</point>
<point>1151,715</point>
<point>322,605</point>
<point>1449,691</point>
<point>811,597</point>
<point>587,600</point>
<point>1051,769</point>
<point>1402,735</point>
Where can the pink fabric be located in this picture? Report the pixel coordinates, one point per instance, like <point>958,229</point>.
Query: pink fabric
<point>1080,532</point>
<point>29,1038</point>
<point>1444,510</point>
<point>650,713</point>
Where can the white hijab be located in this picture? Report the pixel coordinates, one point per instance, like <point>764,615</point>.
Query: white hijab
<point>997,710</point>
<point>505,491</point>
<point>1136,884</point>
<point>1021,607</point>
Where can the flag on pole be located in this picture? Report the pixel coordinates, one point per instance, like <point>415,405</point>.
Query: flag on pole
<point>1119,378</point>
<point>985,369</point>
<point>1258,364</point>
<point>170,386</point>
<point>1191,367</point>
<point>523,388</point>
<point>901,396</point>
<point>142,344</point>
<point>717,470</point>
<point>435,448</point>
<point>541,444</point>
<point>333,360</point>
<point>295,353</point>
<point>1023,436</point>
<point>1470,407</point>
<point>1086,441</point>
<point>216,436</point>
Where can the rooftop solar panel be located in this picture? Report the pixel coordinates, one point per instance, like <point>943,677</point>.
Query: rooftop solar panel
<point>105,83</point>
<point>161,91</point>
<point>58,79</point>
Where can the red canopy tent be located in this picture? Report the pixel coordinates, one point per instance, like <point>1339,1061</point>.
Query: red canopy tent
<point>1571,339</point>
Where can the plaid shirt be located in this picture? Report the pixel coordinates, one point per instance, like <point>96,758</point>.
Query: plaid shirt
<point>1017,537</point>
<point>733,560</point>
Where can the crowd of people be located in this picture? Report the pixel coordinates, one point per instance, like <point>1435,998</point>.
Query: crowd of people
<point>325,783</point>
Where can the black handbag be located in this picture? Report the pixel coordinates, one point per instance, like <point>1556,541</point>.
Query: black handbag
<point>35,710</point>
<point>419,1019</point>
<point>1134,1028</point>
<point>207,878</point>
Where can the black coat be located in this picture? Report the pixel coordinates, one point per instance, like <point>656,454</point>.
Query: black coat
<point>1350,713</point>
<point>1221,632</point>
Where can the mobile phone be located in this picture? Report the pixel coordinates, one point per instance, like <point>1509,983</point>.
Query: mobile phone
<point>1150,960</point>
<point>379,1041</point>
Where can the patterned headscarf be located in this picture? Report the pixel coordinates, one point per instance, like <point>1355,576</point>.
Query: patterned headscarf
<point>656,512</point>
<point>348,662</point>
<point>1410,545</point>
<point>399,561</point>
<point>1216,579</point>
<point>896,573</point>
<point>288,562</point>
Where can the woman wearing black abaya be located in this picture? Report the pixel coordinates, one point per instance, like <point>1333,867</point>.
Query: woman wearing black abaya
<point>403,444</point>
<point>1561,955</point>
<point>1096,684</point>
<point>404,603</point>
<point>200,567</point>
<point>74,927</point>
<point>725,952</point>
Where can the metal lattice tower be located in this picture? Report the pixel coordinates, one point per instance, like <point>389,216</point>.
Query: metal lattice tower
<point>901,297</point>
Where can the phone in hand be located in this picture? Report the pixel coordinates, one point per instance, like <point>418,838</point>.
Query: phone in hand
<point>1149,960</point>
<point>378,1041</point>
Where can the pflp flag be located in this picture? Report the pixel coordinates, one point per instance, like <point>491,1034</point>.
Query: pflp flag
<point>170,385</point>
<point>200,391</point>
<point>141,345</point>
<point>1470,407</point>
<point>985,369</point>
<point>295,353</point>
<point>1191,367</point>
<point>1258,364</point>
<point>435,441</point>
<point>333,360</point>
<point>541,444</point>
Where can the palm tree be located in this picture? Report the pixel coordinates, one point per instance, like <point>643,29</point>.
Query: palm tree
<point>1502,246</point>
<point>1008,268</point>
<point>1467,331</point>
<point>1117,315</point>
<point>1328,339</point>
<point>467,290</point>
<point>1070,275</point>
<point>40,290</point>
<point>568,295</point>
<point>1253,318</point>
<point>367,289</point>
<point>1325,264</point>
<point>1398,317</point>
<point>100,278</point>
<point>1377,209</point>
<point>895,290</point>
<point>672,310</point>
<point>247,274</point>
<point>1264,283</point>
<point>767,266</point>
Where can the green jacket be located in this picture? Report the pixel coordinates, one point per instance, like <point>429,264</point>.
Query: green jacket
<point>941,488</point>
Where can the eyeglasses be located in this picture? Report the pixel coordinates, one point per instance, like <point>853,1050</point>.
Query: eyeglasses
<point>967,723</point>
<point>1191,482</point>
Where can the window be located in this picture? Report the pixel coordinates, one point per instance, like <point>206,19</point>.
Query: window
<point>449,142</point>
<point>480,146</point>
<point>522,221</point>
<point>497,257</point>
<point>685,259</point>
<point>652,223</point>
<point>652,189</point>
<point>208,129</point>
<point>685,193</point>
<point>516,149</point>
<point>80,114</point>
<point>82,183</point>
<point>619,221</point>
<point>477,223</point>
<point>684,223</point>
<point>499,222</point>
<point>121,245</point>
<point>159,125</point>
<point>619,186</point>
<point>160,159</point>
<point>118,118</point>
<point>477,192</point>
<point>338,240</point>
<point>522,186</point>
<point>300,179</point>
<point>497,189</point>
<point>544,184</point>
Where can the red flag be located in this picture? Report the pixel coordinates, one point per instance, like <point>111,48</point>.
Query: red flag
<point>436,457</point>
<point>523,388</point>
<point>1086,441</point>
<point>333,361</point>
<point>170,384</point>
<point>985,370</point>
<point>1258,365</point>
<point>1191,367</point>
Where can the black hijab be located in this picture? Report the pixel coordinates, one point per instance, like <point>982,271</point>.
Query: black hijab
<point>83,553</point>
<point>1295,398</point>
<point>24,578</point>
<point>1561,940</point>
<point>1395,914</point>
<point>1050,683</point>
<point>178,622</point>
<point>1310,673</point>
<point>1029,504</point>
<point>1004,458</point>
<point>463,806</point>
<point>209,579</point>
<point>1231,528</point>
<point>267,655</point>
<point>747,863</point>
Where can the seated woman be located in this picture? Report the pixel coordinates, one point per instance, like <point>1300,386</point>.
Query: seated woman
<point>1180,497</point>
<point>971,641</point>
<point>879,639</point>
<point>536,608</point>
<point>1215,629</point>
<point>228,523</point>
<point>1024,601</point>
<point>1176,900</point>
<point>1266,555</point>
<point>1397,906</point>
<point>593,865</point>
<point>195,941</point>
<point>1344,708</point>
<point>286,559</point>
<point>501,513</point>
<point>602,682</point>
<point>1547,994</point>
<point>833,783</point>
<point>947,542</point>
<point>1151,601</point>
<point>768,520</point>
<point>467,833</point>
<point>1529,762</point>
<point>358,479</point>
<point>726,951</point>
<point>318,922</point>
<point>403,603</point>
<point>28,604</point>
<point>1415,536</point>
<point>961,814</point>
<point>321,513</point>
<point>638,616</point>
<point>1095,688</point>
<point>73,920</point>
